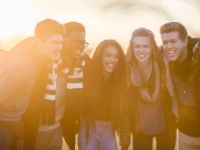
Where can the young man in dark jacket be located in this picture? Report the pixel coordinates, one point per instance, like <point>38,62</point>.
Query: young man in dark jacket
<point>75,63</point>
<point>183,55</point>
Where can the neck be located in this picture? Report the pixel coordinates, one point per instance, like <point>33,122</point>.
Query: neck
<point>146,70</point>
<point>106,75</point>
<point>74,61</point>
<point>145,64</point>
<point>184,55</point>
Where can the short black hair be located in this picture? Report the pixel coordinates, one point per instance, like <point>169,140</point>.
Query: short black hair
<point>74,26</point>
<point>48,27</point>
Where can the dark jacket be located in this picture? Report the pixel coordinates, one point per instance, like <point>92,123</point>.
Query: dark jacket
<point>75,97</point>
<point>129,110</point>
<point>184,75</point>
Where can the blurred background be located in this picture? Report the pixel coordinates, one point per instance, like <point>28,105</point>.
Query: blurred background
<point>103,19</point>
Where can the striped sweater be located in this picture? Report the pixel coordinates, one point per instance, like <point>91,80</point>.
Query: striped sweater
<point>75,86</point>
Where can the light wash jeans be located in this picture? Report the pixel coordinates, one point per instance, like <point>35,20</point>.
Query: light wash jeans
<point>101,137</point>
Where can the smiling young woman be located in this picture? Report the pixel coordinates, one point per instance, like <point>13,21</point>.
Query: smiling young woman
<point>147,110</point>
<point>104,92</point>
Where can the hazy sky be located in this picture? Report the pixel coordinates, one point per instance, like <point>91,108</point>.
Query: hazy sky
<point>103,19</point>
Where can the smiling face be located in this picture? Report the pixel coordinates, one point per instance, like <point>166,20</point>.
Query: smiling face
<point>173,46</point>
<point>110,59</point>
<point>75,43</point>
<point>142,49</point>
<point>51,46</point>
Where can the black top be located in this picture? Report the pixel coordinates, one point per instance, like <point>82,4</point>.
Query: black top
<point>103,106</point>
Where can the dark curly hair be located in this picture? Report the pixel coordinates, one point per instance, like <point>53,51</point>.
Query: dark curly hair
<point>119,73</point>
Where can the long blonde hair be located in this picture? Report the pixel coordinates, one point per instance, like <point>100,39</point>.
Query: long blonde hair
<point>133,70</point>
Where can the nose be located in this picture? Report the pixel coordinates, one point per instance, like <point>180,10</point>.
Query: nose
<point>168,45</point>
<point>60,46</point>
<point>114,59</point>
<point>141,50</point>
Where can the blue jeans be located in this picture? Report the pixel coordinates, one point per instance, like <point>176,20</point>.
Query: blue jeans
<point>101,137</point>
<point>8,140</point>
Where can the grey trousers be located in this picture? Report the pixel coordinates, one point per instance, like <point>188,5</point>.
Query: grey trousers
<point>49,140</point>
<point>8,140</point>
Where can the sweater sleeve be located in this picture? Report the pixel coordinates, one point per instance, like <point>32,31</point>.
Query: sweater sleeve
<point>14,81</point>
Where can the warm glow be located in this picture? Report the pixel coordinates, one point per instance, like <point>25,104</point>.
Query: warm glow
<point>14,19</point>
<point>102,19</point>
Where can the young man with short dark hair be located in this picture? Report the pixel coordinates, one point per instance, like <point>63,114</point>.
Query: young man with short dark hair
<point>183,53</point>
<point>23,81</point>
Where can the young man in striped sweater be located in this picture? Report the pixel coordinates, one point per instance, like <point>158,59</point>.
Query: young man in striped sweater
<point>75,62</point>
<point>22,82</point>
<point>42,128</point>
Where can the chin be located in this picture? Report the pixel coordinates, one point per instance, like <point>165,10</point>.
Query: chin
<point>172,58</point>
<point>109,71</point>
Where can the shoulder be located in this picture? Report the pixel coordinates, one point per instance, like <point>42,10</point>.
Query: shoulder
<point>192,43</point>
<point>192,40</point>
<point>196,48</point>
<point>195,51</point>
<point>86,57</point>
<point>196,56</point>
<point>87,61</point>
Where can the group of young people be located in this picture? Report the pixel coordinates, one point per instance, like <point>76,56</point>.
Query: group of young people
<point>50,88</point>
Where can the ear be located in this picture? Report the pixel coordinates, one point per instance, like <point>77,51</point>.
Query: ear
<point>40,44</point>
<point>186,42</point>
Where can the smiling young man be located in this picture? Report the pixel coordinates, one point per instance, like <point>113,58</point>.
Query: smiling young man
<point>49,38</point>
<point>75,62</point>
<point>23,81</point>
<point>183,53</point>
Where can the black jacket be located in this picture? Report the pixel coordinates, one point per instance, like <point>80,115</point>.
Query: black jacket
<point>184,75</point>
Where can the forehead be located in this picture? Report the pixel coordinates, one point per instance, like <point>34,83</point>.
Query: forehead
<point>75,35</point>
<point>55,37</point>
<point>111,49</point>
<point>170,35</point>
<point>141,40</point>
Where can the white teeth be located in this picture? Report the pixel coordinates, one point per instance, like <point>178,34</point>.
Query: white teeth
<point>171,52</point>
<point>111,65</point>
<point>141,55</point>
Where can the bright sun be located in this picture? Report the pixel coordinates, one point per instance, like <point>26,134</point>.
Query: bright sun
<point>16,21</point>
